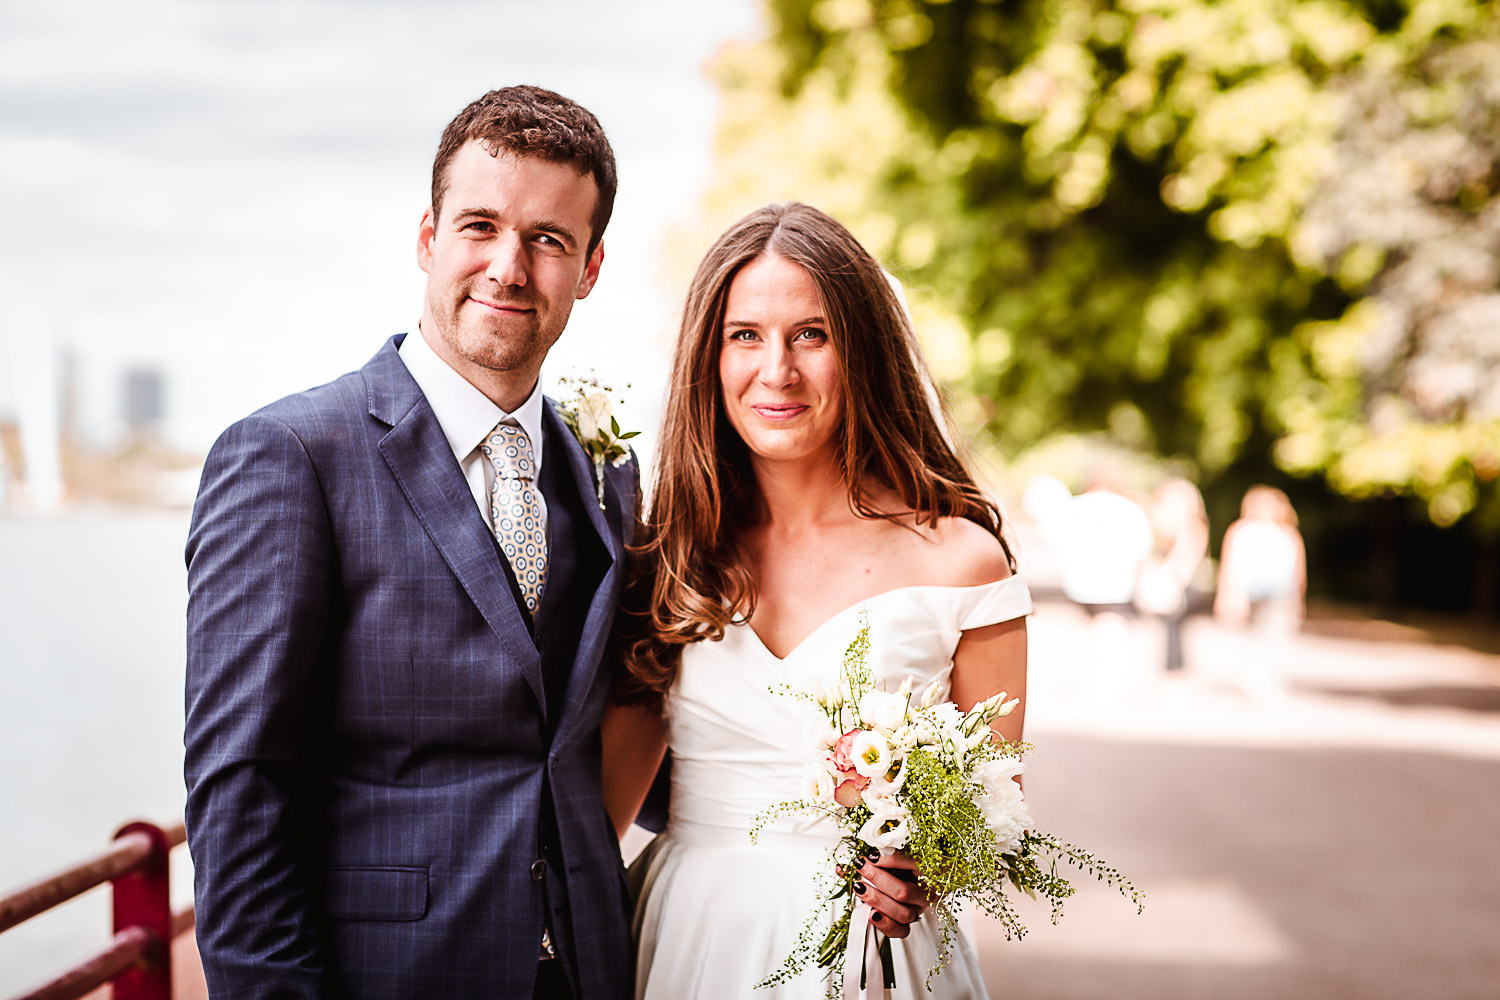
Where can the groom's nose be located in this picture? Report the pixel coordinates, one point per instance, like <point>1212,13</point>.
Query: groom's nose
<point>508,264</point>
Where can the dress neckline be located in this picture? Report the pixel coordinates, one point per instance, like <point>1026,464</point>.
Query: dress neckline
<point>862,602</point>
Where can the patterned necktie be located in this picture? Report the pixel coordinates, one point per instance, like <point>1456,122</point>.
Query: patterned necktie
<point>516,510</point>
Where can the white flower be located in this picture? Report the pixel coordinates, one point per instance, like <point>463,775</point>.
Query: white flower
<point>883,709</point>
<point>817,784</point>
<point>594,411</point>
<point>828,696</point>
<point>588,414</point>
<point>819,734</point>
<point>996,707</point>
<point>946,716</point>
<point>999,773</point>
<point>979,737</point>
<point>933,694</point>
<point>1002,802</point>
<point>887,827</point>
<point>833,697</point>
<point>884,787</point>
<point>872,754</point>
<point>946,724</point>
<point>905,738</point>
<point>920,733</point>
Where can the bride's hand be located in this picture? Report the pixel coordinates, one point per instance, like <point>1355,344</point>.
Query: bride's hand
<point>891,890</point>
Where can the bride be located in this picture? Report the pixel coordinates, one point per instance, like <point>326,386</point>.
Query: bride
<point>802,476</point>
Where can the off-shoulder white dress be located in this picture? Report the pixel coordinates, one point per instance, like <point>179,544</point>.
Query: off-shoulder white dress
<point>715,914</point>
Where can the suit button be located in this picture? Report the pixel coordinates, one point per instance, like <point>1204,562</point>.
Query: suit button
<point>538,869</point>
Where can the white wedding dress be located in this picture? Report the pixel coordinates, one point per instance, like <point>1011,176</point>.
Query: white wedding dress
<point>716,914</point>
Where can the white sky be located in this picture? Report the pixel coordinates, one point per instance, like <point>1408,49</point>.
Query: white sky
<point>229,191</point>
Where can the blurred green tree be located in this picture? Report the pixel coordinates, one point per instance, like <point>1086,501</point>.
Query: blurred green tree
<point>1228,233</point>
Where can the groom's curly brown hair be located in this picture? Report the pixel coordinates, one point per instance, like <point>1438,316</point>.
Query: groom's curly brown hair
<point>530,121</point>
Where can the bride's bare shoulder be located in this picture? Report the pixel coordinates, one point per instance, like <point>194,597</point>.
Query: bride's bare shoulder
<point>956,552</point>
<point>972,553</point>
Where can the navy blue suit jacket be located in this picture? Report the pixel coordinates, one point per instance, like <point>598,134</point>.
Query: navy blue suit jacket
<point>393,772</point>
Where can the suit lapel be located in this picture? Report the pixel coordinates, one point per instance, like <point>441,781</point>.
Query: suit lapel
<point>581,468</point>
<point>421,460</point>
<point>601,608</point>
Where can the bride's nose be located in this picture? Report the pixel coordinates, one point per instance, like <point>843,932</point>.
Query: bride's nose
<point>777,365</point>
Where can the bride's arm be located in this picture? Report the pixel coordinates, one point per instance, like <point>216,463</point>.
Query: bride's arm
<point>989,660</point>
<point>634,741</point>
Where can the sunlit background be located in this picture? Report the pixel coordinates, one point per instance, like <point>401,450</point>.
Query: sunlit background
<point>1239,242</point>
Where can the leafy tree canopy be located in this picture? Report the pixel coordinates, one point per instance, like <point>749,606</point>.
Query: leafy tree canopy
<point>1203,229</point>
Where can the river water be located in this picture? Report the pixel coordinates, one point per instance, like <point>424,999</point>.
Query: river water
<point>91,673</point>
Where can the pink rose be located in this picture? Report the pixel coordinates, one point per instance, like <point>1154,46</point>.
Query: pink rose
<point>843,751</point>
<point>847,793</point>
<point>850,781</point>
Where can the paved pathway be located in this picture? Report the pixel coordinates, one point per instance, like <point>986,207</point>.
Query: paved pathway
<point>1330,836</point>
<point>1334,840</point>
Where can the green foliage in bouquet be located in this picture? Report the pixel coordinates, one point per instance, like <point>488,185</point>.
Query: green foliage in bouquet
<point>932,781</point>
<point>950,843</point>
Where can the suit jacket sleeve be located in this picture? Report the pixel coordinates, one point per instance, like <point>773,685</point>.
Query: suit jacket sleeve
<point>260,569</point>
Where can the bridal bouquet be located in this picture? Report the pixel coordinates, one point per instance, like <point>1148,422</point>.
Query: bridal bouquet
<point>922,777</point>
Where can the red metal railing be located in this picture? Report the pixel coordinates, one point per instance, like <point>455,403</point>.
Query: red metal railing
<point>138,961</point>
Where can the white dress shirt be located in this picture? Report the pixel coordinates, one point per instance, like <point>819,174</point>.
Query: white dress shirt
<point>467,416</point>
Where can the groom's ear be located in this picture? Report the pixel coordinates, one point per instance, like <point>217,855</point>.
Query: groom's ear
<point>425,233</point>
<point>590,271</point>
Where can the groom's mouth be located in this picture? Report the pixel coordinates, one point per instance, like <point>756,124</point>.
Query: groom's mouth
<point>779,411</point>
<point>512,308</point>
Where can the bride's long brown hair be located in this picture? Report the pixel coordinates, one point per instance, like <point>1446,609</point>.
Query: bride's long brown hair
<point>690,576</point>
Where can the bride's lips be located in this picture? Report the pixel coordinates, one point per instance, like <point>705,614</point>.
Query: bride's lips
<point>779,411</point>
<point>505,307</point>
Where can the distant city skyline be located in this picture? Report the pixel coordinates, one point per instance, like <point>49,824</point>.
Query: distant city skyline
<point>227,194</point>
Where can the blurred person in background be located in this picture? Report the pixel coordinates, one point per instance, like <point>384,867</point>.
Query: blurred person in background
<point>1101,539</point>
<point>1179,522</point>
<point>1262,583</point>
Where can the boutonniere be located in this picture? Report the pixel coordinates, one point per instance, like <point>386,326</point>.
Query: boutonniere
<point>589,414</point>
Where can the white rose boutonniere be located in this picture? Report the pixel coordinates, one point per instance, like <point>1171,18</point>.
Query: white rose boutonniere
<point>589,413</point>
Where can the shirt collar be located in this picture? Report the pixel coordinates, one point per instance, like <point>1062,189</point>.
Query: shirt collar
<point>465,414</point>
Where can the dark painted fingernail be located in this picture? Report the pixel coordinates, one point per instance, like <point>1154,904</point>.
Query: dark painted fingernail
<point>859,862</point>
<point>859,887</point>
<point>873,853</point>
<point>875,918</point>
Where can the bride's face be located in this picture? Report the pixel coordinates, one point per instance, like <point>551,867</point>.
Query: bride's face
<point>777,370</point>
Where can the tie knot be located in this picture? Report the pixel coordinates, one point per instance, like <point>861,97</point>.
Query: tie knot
<point>509,451</point>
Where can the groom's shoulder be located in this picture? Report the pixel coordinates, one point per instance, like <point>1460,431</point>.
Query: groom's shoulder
<point>331,400</point>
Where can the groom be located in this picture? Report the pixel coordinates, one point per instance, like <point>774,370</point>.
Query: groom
<point>400,588</point>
